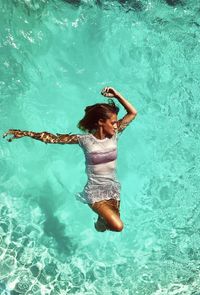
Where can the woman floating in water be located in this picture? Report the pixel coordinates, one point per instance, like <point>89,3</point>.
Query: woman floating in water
<point>102,191</point>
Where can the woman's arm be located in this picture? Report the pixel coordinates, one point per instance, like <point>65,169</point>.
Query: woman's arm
<point>131,111</point>
<point>45,137</point>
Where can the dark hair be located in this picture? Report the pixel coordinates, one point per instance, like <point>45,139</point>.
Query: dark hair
<point>96,112</point>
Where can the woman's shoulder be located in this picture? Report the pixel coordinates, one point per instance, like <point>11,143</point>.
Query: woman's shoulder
<point>84,139</point>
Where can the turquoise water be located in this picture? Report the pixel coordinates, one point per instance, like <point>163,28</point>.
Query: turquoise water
<point>54,59</point>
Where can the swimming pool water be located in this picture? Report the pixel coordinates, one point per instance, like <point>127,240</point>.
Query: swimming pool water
<point>55,57</point>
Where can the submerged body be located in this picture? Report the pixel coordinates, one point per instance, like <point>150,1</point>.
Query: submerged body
<point>100,156</point>
<point>102,191</point>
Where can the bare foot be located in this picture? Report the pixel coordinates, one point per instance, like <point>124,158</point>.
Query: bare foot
<point>100,225</point>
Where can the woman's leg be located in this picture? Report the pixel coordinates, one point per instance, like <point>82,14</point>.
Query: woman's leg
<point>100,224</point>
<point>109,216</point>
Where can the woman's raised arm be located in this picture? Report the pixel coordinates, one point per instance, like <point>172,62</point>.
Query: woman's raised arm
<point>45,137</point>
<point>110,92</point>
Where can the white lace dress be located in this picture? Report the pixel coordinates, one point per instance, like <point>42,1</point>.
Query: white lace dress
<point>100,156</point>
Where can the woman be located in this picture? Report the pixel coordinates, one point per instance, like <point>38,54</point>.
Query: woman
<point>102,191</point>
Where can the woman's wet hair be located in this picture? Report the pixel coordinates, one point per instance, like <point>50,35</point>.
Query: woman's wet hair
<point>96,112</point>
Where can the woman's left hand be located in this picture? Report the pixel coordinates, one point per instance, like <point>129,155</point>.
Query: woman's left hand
<point>109,92</point>
<point>16,134</point>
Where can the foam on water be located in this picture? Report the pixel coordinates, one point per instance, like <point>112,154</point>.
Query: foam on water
<point>54,59</point>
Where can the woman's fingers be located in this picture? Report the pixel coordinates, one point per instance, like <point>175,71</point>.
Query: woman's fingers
<point>5,134</point>
<point>14,132</point>
<point>103,91</point>
<point>109,95</point>
<point>8,139</point>
<point>108,92</point>
<point>10,131</point>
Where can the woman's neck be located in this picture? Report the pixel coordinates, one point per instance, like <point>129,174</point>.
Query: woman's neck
<point>99,134</point>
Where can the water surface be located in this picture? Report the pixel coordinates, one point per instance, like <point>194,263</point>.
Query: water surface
<point>54,59</point>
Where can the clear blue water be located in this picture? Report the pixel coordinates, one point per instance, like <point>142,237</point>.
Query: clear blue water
<point>54,59</point>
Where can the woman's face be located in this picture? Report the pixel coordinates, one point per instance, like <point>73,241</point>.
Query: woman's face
<point>110,125</point>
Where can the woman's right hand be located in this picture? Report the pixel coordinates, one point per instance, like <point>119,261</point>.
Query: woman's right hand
<point>16,134</point>
<point>110,92</point>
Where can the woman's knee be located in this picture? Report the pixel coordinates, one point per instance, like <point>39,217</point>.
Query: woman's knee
<point>111,217</point>
<point>116,226</point>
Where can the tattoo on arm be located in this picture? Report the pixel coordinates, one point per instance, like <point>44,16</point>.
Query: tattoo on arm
<point>125,121</point>
<point>122,126</point>
<point>47,137</point>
